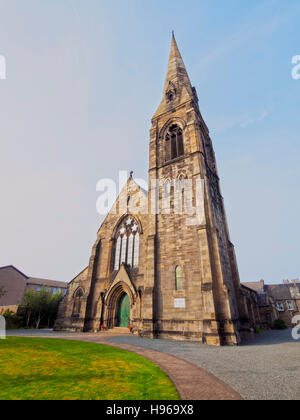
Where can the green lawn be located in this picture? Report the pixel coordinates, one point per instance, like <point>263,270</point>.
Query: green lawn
<point>47,369</point>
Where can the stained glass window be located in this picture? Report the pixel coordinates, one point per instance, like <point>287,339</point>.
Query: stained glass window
<point>127,244</point>
<point>130,249</point>
<point>118,252</point>
<point>123,251</point>
<point>136,250</point>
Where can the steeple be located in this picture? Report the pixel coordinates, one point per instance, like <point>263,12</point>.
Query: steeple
<point>177,88</point>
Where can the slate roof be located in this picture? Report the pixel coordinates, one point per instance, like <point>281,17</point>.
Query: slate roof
<point>15,269</point>
<point>257,286</point>
<point>47,283</point>
<point>281,291</point>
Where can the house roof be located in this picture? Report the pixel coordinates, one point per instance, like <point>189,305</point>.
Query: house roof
<point>281,291</point>
<point>35,280</point>
<point>257,286</point>
<point>14,268</point>
<point>45,282</point>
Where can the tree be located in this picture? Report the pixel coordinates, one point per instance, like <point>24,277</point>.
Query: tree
<point>53,304</point>
<point>28,305</point>
<point>40,305</point>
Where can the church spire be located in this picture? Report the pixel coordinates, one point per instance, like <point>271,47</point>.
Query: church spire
<point>177,88</point>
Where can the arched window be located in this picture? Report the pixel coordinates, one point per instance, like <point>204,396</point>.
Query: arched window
<point>178,278</point>
<point>77,302</point>
<point>124,249</point>
<point>118,253</point>
<point>130,247</point>
<point>136,250</point>
<point>173,143</point>
<point>127,244</point>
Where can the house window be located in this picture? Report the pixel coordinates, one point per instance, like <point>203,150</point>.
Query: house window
<point>280,306</point>
<point>174,143</point>
<point>178,278</point>
<point>38,289</point>
<point>127,244</point>
<point>57,290</point>
<point>290,305</point>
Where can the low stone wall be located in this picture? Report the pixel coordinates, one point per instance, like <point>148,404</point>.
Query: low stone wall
<point>12,308</point>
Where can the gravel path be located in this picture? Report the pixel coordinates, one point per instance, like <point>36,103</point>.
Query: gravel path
<point>267,368</point>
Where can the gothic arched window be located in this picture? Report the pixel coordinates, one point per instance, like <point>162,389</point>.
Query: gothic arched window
<point>178,278</point>
<point>77,302</point>
<point>127,244</point>
<point>174,143</point>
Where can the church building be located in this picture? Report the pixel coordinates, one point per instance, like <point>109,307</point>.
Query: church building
<point>151,271</point>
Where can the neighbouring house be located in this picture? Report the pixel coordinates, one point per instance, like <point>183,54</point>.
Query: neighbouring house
<point>287,299</point>
<point>15,283</point>
<point>274,301</point>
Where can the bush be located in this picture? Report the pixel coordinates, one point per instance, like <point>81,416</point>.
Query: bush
<point>258,330</point>
<point>279,324</point>
<point>13,322</point>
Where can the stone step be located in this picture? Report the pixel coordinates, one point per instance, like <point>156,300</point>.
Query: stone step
<point>119,330</point>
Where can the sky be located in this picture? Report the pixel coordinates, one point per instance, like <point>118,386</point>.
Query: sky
<point>83,80</point>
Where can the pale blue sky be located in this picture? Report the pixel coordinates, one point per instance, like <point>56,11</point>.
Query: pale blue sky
<point>83,81</point>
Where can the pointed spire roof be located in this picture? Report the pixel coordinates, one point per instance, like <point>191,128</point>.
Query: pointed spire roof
<point>177,88</point>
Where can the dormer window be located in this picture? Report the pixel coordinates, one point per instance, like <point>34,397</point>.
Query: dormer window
<point>170,93</point>
<point>170,96</point>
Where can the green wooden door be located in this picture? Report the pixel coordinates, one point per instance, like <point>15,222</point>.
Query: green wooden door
<point>124,311</point>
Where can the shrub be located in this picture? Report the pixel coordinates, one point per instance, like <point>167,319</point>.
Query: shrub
<point>13,321</point>
<point>258,330</point>
<point>279,324</point>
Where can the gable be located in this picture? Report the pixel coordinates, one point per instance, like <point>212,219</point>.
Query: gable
<point>13,282</point>
<point>131,200</point>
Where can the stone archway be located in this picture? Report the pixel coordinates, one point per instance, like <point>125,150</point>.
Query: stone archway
<point>115,301</point>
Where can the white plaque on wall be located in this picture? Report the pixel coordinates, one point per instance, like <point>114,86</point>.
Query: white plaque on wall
<point>179,303</point>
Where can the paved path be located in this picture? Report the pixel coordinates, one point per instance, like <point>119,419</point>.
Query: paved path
<point>192,382</point>
<point>266,368</point>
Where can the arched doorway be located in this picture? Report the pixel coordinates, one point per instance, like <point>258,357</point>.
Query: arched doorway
<point>123,318</point>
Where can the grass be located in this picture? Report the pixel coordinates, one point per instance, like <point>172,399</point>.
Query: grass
<point>50,369</point>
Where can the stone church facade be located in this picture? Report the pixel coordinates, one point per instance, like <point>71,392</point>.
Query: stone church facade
<point>151,270</point>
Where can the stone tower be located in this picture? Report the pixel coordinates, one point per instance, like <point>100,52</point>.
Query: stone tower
<point>191,269</point>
